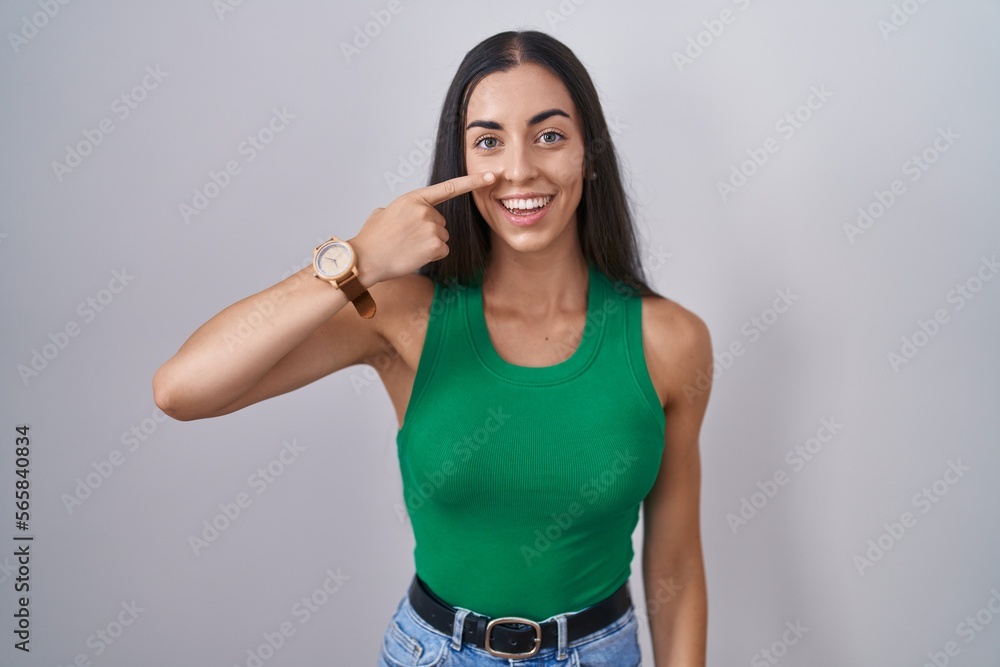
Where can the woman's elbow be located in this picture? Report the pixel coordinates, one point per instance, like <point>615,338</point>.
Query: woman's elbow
<point>164,396</point>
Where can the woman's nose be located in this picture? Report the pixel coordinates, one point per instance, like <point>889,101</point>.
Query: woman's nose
<point>519,165</point>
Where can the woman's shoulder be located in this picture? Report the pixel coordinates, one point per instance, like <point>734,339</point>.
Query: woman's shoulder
<point>670,319</point>
<point>403,296</point>
<point>677,345</point>
<point>404,303</point>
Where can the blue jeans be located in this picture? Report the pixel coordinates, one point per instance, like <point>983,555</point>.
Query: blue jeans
<point>410,642</point>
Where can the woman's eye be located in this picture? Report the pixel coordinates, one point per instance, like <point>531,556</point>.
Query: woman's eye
<point>553,137</point>
<point>485,142</point>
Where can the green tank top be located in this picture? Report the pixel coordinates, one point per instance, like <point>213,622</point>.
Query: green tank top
<point>523,484</point>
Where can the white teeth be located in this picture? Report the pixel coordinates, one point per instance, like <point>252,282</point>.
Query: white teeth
<point>526,204</point>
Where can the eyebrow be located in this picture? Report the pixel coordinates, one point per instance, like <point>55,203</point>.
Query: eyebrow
<point>534,120</point>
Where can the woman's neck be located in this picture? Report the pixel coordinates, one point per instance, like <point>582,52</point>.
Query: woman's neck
<point>536,284</point>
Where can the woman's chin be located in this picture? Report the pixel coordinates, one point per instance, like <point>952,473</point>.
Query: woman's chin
<point>526,240</point>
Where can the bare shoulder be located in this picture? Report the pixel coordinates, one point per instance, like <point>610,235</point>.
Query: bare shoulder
<point>402,308</point>
<point>402,294</point>
<point>678,348</point>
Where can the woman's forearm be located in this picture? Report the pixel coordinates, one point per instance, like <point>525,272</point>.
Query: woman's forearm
<point>677,607</point>
<point>230,352</point>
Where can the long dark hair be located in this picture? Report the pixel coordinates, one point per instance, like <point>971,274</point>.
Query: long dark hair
<point>604,221</point>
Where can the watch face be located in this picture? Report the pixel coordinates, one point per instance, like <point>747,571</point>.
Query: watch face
<point>333,259</point>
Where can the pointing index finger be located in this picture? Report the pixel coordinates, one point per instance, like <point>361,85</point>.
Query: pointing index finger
<point>445,190</point>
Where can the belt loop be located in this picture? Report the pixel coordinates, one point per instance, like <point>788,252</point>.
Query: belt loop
<point>458,630</point>
<point>561,626</point>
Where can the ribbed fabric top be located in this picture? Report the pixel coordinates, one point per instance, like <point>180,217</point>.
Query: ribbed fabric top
<point>523,484</point>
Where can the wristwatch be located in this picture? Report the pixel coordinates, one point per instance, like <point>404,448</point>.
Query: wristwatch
<point>336,262</point>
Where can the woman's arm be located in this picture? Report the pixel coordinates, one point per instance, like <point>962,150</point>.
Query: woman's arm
<point>679,354</point>
<point>299,330</point>
<point>279,339</point>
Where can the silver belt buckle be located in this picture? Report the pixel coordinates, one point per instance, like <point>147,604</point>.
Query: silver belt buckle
<point>513,619</point>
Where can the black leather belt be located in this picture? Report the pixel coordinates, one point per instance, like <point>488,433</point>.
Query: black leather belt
<point>514,637</point>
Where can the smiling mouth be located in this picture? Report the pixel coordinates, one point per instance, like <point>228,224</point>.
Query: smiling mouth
<point>526,207</point>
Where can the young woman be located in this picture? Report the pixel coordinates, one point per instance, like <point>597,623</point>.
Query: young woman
<point>544,391</point>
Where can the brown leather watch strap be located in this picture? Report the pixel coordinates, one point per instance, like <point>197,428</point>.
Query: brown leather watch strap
<point>356,292</point>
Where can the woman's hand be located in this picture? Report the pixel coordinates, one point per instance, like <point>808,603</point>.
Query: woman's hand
<point>227,364</point>
<point>409,232</point>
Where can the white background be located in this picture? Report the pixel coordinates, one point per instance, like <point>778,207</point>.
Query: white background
<point>680,129</point>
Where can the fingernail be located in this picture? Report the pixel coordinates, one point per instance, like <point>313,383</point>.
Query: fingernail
<point>488,177</point>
